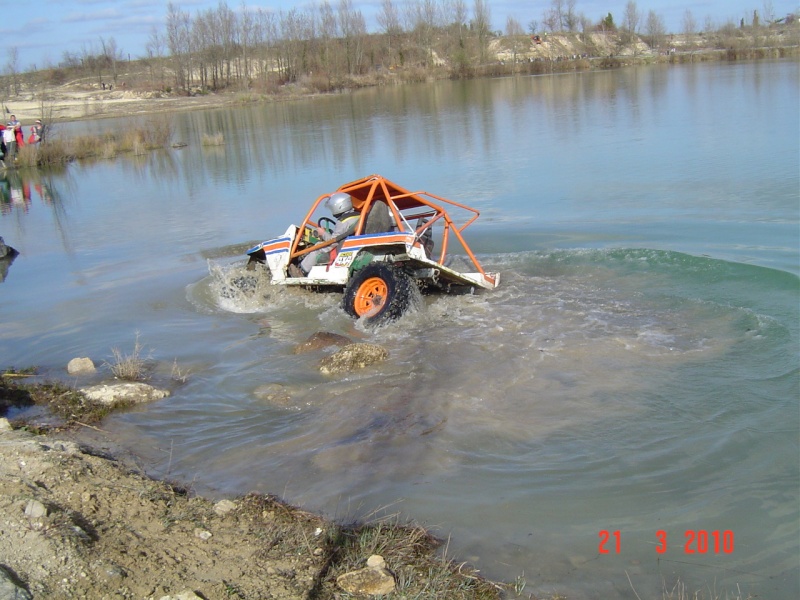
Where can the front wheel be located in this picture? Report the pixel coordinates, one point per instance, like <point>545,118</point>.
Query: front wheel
<point>378,293</point>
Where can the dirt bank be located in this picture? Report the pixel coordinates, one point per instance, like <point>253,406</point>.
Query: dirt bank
<point>76,523</point>
<point>79,518</point>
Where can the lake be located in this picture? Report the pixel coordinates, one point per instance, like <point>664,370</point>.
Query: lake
<point>620,416</point>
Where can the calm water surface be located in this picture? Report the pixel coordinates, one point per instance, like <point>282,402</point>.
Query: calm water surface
<point>637,370</point>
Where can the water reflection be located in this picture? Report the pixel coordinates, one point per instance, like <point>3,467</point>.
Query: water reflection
<point>18,189</point>
<point>7,256</point>
<point>22,190</point>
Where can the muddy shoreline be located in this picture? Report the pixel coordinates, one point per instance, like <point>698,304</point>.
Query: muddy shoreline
<point>78,519</point>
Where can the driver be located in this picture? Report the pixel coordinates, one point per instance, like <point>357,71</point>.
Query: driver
<point>341,207</point>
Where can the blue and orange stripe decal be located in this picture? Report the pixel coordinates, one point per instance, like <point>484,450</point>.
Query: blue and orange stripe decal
<point>273,246</point>
<point>357,242</point>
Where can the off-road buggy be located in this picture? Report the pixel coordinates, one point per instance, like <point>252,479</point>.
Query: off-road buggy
<point>402,240</point>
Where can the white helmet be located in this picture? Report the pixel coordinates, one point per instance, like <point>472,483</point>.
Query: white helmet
<point>339,203</point>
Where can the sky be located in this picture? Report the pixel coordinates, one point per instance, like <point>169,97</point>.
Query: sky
<point>41,31</point>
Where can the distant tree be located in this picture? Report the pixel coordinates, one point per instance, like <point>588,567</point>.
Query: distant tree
<point>12,68</point>
<point>514,32</point>
<point>769,12</point>
<point>550,20</point>
<point>389,19</point>
<point>585,24</point>
<point>481,26</point>
<point>656,31</point>
<point>328,34</point>
<point>423,18</point>
<point>455,16</point>
<point>630,22</point>
<point>533,26</point>
<point>354,29</point>
<point>513,28</point>
<point>155,50</point>
<point>571,18</point>
<point>110,54</point>
<point>689,27</point>
<point>178,28</point>
<point>246,34</point>
<point>607,23</point>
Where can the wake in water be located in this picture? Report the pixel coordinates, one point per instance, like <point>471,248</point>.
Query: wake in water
<point>597,387</point>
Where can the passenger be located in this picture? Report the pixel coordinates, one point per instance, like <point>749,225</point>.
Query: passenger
<point>341,207</point>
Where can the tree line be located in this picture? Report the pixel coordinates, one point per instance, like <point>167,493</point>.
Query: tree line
<point>329,44</point>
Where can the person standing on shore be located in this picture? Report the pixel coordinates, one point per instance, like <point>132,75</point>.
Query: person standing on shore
<point>19,135</point>
<point>38,130</point>
<point>37,133</point>
<point>10,141</point>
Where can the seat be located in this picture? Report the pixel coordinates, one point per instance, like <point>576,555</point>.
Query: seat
<point>426,238</point>
<point>379,220</point>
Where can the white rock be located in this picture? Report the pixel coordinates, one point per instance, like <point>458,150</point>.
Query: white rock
<point>35,509</point>
<point>376,562</point>
<point>223,507</point>
<point>184,595</point>
<point>80,366</point>
<point>135,392</point>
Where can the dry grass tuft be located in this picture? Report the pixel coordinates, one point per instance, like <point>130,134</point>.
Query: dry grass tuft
<point>410,552</point>
<point>130,367</point>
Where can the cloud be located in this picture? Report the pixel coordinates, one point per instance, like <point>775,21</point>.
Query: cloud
<point>86,17</point>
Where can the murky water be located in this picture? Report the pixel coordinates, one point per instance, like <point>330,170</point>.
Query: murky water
<point>636,372</point>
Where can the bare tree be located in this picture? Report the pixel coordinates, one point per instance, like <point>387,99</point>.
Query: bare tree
<point>630,22</point>
<point>354,29</point>
<point>585,24</point>
<point>768,12</point>
<point>265,44</point>
<point>328,32</point>
<point>656,31</point>
<point>155,50</point>
<point>551,19</point>
<point>178,28</point>
<point>482,22</point>
<point>571,18</point>
<point>246,32</point>
<point>110,55</point>
<point>554,16</point>
<point>12,67</point>
<point>455,13</point>
<point>514,32</point>
<point>389,19</point>
<point>689,27</point>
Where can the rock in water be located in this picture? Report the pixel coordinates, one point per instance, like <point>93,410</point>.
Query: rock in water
<point>351,357</point>
<point>80,366</point>
<point>134,392</point>
<point>320,340</point>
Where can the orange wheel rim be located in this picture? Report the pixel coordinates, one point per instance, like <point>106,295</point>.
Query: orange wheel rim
<point>371,296</point>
